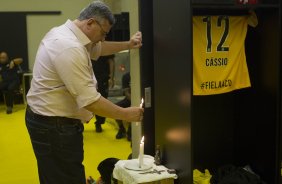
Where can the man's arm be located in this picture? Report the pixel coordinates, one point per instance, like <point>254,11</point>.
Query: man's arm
<point>105,108</point>
<point>109,47</point>
<point>82,86</point>
<point>15,61</point>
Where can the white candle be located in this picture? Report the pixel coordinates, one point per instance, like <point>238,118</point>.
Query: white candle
<point>141,152</point>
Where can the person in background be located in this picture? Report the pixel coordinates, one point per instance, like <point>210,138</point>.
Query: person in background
<point>63,93</point>
<point>126,102</point>
<point>104,69</point>
<point>10,79</point>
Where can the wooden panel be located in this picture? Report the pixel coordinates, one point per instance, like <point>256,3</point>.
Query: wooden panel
<point>173,83</point>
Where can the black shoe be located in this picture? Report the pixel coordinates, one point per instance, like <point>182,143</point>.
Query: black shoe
<point>9,110</point>
<point>98,128</point>
<point>128,133</point>
<point>120,134</point>
<point>129,138</point>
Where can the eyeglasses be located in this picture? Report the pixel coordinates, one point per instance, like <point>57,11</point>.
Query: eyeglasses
<point>103,31</point>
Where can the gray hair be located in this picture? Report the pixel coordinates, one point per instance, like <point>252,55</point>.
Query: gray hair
<point>99,10</point>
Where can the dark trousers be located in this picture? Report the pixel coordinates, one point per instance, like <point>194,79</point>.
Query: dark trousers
<point>8,89</point>
<point>123,103</point>
<point>58,146</point>
<point>103,89</point>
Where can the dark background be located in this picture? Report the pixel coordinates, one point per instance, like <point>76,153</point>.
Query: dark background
<point>13,36</point>
<point>242,127</point>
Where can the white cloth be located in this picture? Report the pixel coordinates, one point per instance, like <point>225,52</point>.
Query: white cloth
<point>127,176</point>
<point>63,80</point>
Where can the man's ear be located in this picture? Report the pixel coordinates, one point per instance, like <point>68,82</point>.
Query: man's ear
<point>90,21</point>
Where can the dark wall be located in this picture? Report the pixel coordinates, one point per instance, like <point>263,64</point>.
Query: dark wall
<point>258,109</point>
<point>213,131</point>
<point>241,127</point>
<point>13,36</point>
<point>173,82</point>
<point>120,30</point>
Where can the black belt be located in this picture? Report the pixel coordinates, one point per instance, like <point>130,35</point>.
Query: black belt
<point>52,119</point>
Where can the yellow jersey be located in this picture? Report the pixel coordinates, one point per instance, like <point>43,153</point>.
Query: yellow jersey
<point>219,61</point>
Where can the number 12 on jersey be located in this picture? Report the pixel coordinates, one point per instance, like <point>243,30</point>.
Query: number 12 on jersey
<point>220,46</point>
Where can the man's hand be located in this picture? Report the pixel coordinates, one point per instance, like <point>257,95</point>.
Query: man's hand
<point>135,41</point>
<point>112,47</point>
<point>12,64</point>
<point>134,114</point>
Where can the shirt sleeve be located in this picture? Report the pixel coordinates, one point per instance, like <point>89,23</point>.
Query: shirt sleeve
<point>252,19</point>
<point>74,69</point>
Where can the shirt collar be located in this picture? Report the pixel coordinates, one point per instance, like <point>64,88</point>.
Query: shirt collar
<point>78,33</point>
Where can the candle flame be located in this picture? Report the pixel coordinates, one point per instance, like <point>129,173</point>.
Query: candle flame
<point>141,104</point>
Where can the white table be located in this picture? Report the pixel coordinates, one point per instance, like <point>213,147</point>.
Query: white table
<point>128,176</point>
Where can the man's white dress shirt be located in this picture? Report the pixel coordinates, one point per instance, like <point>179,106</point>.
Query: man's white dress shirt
<point>63,80</point>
